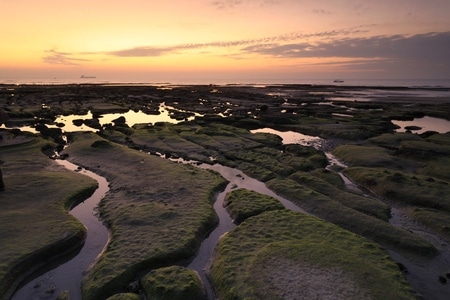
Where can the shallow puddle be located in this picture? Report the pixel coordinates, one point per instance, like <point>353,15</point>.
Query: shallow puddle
<point>426,124</point>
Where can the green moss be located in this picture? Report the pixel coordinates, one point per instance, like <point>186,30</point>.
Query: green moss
<point>325,207</point>
<point>331,177</point>
<point>242,204</point>
<point>150,197</point>
<point>393,140</point>
<point>437,220</point>
<point>358,155</point>
<point>360,203</point>
<point>125,296</point>
<point>251,259</point>
<point>173,283</point>
<point>403,187</point>
<point>65,295</point>
<point>39,191</point>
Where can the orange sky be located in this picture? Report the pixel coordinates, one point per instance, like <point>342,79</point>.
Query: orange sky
<point>166,40</point>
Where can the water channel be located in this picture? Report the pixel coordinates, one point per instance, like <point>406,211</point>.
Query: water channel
<point>422,273</point>
<point>66,276</point>
<point>236,179</point>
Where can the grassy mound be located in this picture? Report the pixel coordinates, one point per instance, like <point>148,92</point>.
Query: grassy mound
<point>331,210</point>
<point>282,254</point>
<point>415,174</point>
<point>174,283</point>
<point>436,219</point>
<point>243,204</point>
<point>149,198</point>
<point>125,296</point>
<point>360,203</point>
<point>403,187</point>
<point>35,202</point>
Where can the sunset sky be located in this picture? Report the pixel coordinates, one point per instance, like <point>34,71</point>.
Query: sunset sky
<point>224,40</point>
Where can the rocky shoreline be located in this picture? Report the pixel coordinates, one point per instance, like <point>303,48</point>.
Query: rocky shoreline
<point>220,130</point>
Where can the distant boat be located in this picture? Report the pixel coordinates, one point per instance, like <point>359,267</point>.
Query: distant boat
<point>83,76</point>
<point>338,81</point>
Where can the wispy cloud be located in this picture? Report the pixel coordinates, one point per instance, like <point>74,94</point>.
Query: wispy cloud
<point>320,11</point>
<point>230,4</point>
<point>431,46</point>
<point>223,4</point>
<point>344,46</point>
<point>61,58</point>
<point>154,51</point>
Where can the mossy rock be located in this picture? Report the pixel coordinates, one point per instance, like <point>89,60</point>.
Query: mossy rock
<point>335,212</point>
<point>173,283</point>
<point>64,295</point>
<point>125,296</point>
<point>242,204</point>
<point>423,191</point>
<point>149,199</point>
<point>39,191</point>
<point>286,255</point>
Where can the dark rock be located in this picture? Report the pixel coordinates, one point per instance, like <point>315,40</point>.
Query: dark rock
<point>2,184</point>
<point>120,121</point>
<point>402,268</point>
<point>100,144</point>
<point>78,122</point>
<point>442,280</point>
<point>93,123</point>
<point>413,128</point>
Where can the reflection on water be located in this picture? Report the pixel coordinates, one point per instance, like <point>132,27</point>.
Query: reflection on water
<point>292,137</point>
<point>425,123</point>
<point>132,118</point>
<point>67,275</point>
<point>237,179</point>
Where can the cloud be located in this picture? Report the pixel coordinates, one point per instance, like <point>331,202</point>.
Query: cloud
<point>319,11</point>
<point>430,46</point>
<point>230,4</point>
<point>61,58</point>
<point>154,51</point>
<point>223,4</point>
<point>142,51</point>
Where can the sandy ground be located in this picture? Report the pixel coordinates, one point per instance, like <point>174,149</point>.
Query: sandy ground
<point>294,280</point>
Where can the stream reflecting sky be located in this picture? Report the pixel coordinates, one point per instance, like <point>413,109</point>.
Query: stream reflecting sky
<point>426,124</point>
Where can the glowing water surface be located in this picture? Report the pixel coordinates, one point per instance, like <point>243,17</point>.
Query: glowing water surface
<point>426,124</point>
<point>292,137</point>
<point>131,118</point>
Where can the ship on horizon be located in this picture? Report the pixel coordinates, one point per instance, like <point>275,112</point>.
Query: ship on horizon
<point>84,76</point>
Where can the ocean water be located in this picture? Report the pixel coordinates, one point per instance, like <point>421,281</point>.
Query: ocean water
<point>412,83</point>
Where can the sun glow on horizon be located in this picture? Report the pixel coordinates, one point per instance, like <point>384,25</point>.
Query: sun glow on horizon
<point>252,36</point>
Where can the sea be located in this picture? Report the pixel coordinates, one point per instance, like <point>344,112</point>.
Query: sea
<point>410,83</point>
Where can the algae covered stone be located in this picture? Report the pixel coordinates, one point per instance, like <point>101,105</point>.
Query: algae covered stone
<point>174,283</point>
<point>242,204</point>
<point>287,255</point>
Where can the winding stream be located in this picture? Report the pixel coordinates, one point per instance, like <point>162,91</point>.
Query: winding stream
<point>67,275</point>
<point>422,273</point>
<point>237,179</point>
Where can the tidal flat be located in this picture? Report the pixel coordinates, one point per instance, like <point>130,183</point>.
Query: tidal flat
<point>388,239</point>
